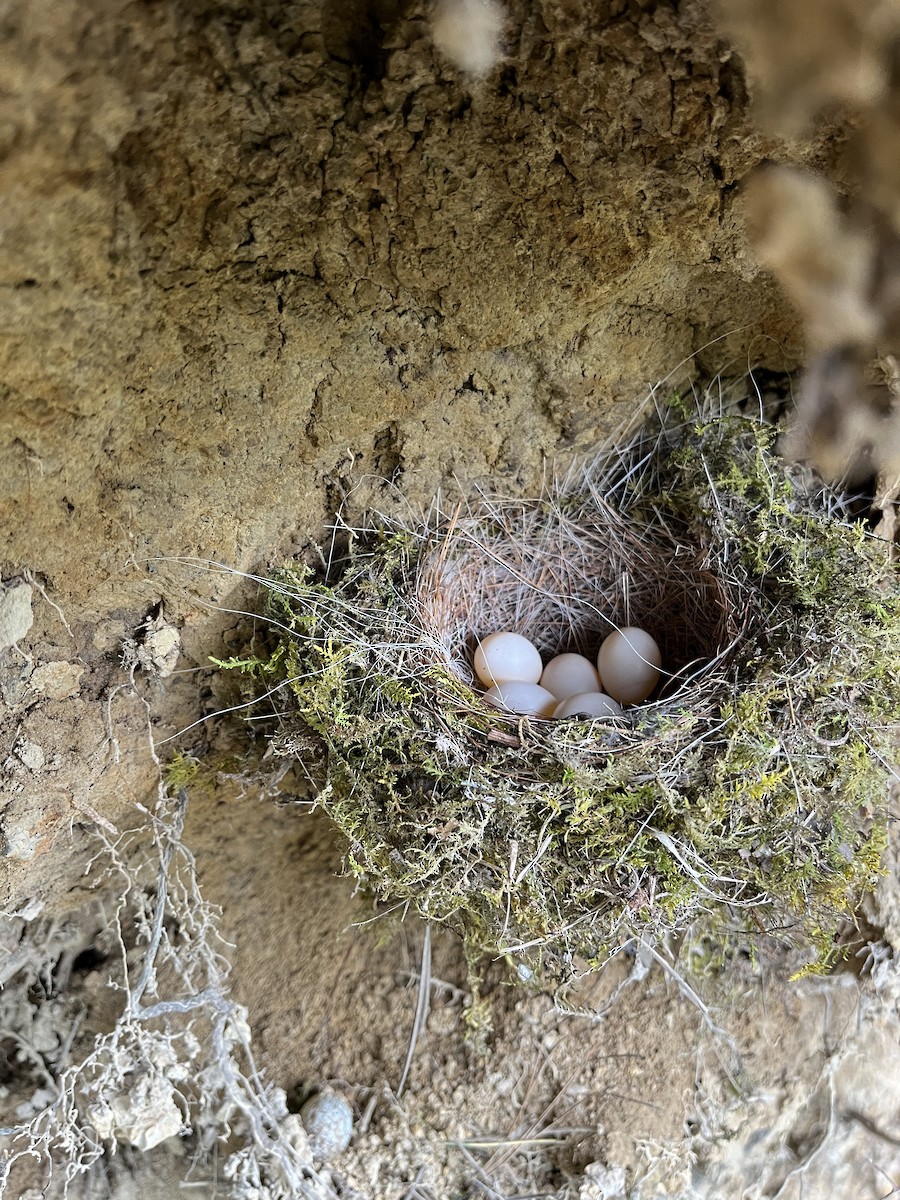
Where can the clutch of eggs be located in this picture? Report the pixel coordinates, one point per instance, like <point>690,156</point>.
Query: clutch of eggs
<point>510,667</point>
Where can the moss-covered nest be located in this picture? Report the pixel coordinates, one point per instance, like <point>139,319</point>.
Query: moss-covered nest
<point>753,785</point>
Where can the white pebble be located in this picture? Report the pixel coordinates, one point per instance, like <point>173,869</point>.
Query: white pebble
<point>570,675</point>
<point>16,617</point>
<point>629,663</point>
<point>504,656</point>
<point>588,704</point>
<point>328,1120</point>
<point>525,699</point>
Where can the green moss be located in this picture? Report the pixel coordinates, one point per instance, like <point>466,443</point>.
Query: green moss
<point>766,800</point>
<point>181,771</point>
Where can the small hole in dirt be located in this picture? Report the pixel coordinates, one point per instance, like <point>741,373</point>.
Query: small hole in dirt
<point>296,1096</point>
<point>37,993</point>
<point>7,1049</point>
<point>20,1068</point>
<point>860,503</point>
<point>509,82</point>
<point>854,940</point>
<point>88,960</point>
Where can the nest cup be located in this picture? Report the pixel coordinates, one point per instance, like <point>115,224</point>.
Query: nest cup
<point>749,791</point>
<point>565,572</point>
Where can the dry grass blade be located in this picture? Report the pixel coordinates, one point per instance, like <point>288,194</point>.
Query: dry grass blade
<point>422,1005</point>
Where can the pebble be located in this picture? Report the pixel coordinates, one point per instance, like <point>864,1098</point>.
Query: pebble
<point>328,1120</point>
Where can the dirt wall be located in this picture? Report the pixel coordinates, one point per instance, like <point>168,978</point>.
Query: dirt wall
<point>253,256</point>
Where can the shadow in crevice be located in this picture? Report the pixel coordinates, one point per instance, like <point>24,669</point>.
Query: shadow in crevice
<point>354,33</point>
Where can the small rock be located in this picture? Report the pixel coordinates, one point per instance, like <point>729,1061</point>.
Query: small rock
<point>30,754</point>
<point>603,1183</point>
<point>154,649</point>
<point>15,679</point>
<point>328,1120</point>
<point>20,839</point>
<point>16,617</point>
<point>28,829</point>
<point>161,648</point>
<point>57,680</point>
<point>144,1117</point>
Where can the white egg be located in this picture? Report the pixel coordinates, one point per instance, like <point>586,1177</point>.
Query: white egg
<point>526,699</point>
<point>504,656</point>
<point>588,704</point>
<point>629,663</point>
<point>570,675</point>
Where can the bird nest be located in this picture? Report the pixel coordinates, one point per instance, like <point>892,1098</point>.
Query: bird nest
<point>751,787</point>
